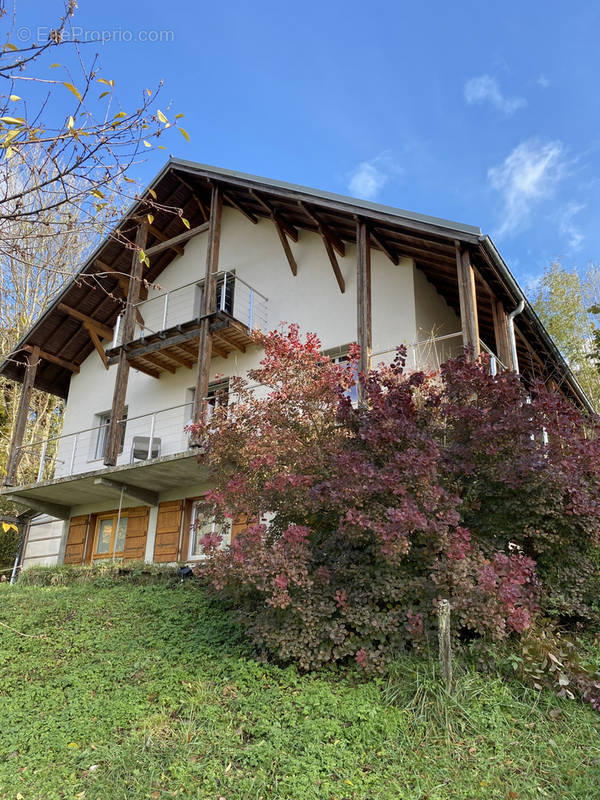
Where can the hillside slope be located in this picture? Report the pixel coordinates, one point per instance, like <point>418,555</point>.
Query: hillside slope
<point>149,692</point>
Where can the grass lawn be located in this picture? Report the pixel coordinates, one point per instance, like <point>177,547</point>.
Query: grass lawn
<point>147,691</point>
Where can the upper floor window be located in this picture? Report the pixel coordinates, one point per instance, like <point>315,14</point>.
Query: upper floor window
<point>103,421</point>
<point>218,395</point>
<point>339,355</point>
<point>225,293</point>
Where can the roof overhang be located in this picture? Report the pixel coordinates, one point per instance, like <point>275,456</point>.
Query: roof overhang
<point>97,290</point>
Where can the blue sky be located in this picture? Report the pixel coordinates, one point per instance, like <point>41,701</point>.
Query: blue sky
<point>484,113</point>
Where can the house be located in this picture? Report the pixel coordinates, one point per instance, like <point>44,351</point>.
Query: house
<point>137,351</point>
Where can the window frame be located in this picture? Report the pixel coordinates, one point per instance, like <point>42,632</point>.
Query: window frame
<point>111,554</point>
<point>211,527</point>
<point>104,422</point>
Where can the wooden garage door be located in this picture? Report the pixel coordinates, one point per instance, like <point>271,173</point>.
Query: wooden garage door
<point>168,531</point>
<point>76,537</point>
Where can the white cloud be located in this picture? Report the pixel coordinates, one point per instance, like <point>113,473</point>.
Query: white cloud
<point>543,81</point>
<point>526,177</point>
<point>369,177</point>
<point>567,227</point>
<point>485,89</point>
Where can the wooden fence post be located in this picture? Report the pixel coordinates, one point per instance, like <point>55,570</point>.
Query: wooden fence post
<point>445,647</point>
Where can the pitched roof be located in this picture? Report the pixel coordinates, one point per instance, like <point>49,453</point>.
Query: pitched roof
<point>96,290</point>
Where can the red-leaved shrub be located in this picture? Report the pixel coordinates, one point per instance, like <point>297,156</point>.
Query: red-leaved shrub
<point>457,485</point>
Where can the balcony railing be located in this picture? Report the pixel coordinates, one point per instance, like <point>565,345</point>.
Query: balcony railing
<point>182,305</point>
<point>160,433</point>
<point>430,354</point>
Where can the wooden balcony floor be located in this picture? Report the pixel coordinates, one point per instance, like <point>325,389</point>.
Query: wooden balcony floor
<point>177,347</point>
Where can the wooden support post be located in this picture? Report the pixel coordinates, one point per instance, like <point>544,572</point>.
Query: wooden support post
<point>363,301</point>
<point>22,414</point>
<point>468,301</point>
<point>209,304</point>
<point>502,337</point>
<point>113,435</point>
<point>444,643</point>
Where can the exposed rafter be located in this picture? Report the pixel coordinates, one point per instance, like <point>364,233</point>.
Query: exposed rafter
<point>377,239</point>
<point>240,208</point>
<point>89,322</point>
<point>325,231</point>
<point>275,216</point>
<point>199,203</point>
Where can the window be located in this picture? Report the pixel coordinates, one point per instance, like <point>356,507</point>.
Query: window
<point>200,528</point>
<point>110,536</point>
<point>225,293</point>
<point>218,395</point>
<point>340,356</point>
<point>103,423</point>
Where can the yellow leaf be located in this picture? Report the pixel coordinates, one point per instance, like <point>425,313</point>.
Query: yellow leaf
<point>129,180</point>
<point>160,147</point>
<point>104,81</point>
<point>161,116</point>
<point>20,796</point>
<point>147,144</point>
<point>142,255</point>
<point>71,123</point>
<point>152,193</point>
<point>185,222</point>
<point>150,218</point>
<point>178,116</point>
<point>53,66</point>
<point>13,120</point>
<point>148,92</point>
<point>73,89</point>
<point>185,134</point>
<point>102,95</point>
<point>120,114</point>
<point>8,526</point>
<point>80,795</point>
<point>9,153</point>
<point>73,745</point>
<point>97,193</point>
<point>14,97</point>
<point>10,46</point>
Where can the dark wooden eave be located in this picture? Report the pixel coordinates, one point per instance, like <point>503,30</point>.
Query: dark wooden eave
<point>98,289</point>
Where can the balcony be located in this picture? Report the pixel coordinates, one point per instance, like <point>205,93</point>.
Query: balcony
<point>168,325</point>
<point>143,438</point>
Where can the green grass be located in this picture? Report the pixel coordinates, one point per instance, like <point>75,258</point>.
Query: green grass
<point>147,691</point>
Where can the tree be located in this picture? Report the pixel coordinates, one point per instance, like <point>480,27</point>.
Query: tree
<point>563,302</point>
<point>459,485</point>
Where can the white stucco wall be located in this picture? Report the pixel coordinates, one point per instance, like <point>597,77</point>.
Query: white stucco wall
<point>312,299</point>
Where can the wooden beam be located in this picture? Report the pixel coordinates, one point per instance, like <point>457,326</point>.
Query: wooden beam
<point>14,454</point>
<point>199,202</point>
<point>154,359</point>
<point>376,237</point>
<point>113,435</point>
<point>181,360</point>
<point>286,247</point>
<point>163,237</point>
<point>176,240</point>
<point>41,506</point>
<point>97,343</point>
<point>501,333</point>
<point>274,215</point>
<point>324,230</point>
<point>468,301</point>
<point>241,209</point>
<point>363,301</point>
<point>61,362</point>
<point>335,266</point>
<point>143,495</point>
<point>209,303</point>
<point>153,373</point>
<point>100,328</point>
